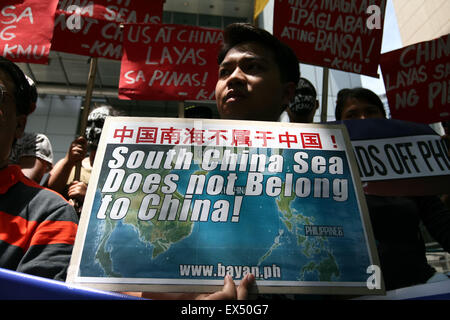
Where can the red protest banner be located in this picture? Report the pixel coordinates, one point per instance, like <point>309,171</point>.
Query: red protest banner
<point>26,28</point>
<point>93,29</point>
<point>169,62</point>
<point>344,35</point>
<point>126,11</point>
<point>417,81</point>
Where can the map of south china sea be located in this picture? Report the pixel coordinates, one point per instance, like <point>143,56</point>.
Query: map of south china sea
<point>310,230</point>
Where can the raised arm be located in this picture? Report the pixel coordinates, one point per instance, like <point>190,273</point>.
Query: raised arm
<point>62,169</point>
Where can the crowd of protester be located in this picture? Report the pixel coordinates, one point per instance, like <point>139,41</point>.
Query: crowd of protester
<point>259,78</point>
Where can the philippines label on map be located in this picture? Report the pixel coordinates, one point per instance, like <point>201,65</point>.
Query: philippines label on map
<point>174,205</point>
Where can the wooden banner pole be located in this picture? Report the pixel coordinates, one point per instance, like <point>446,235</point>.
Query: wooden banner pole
<point>87,105</point>
<point>323,115</point>
<point>181,109</point>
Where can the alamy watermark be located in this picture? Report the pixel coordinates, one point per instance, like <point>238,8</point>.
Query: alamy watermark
<point>374,280</point>
<point>74,20</point>
<point>374,20</point>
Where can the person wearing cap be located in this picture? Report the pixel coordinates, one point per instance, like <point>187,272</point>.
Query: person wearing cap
<point>258,74</point>
<point>396,221</point>
<point>303,106</point>
<point>33,153</point>
<point>37,226</point>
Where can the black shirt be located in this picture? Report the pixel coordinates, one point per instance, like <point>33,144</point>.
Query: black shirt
<point>401,249</point>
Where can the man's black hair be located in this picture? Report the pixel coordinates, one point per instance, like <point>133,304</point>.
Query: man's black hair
<point>25,96</point>
<point>305,87</point>
<point>285,58</point>
<point>201,112</point>
<point>359,93</point>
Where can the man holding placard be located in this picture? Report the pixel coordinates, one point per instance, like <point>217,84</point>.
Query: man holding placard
<point>396,219</point>
<point>201,200</point>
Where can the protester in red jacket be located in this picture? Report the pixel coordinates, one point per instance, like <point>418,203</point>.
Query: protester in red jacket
<point>37,226</point>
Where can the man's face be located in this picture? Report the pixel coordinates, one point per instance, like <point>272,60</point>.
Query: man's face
<point>249,85</point>
<point>11,125</point>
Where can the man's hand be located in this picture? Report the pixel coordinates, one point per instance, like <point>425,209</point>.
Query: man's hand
<point>229,290</point>
<point>77,150</point>
<point>77,191</point>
